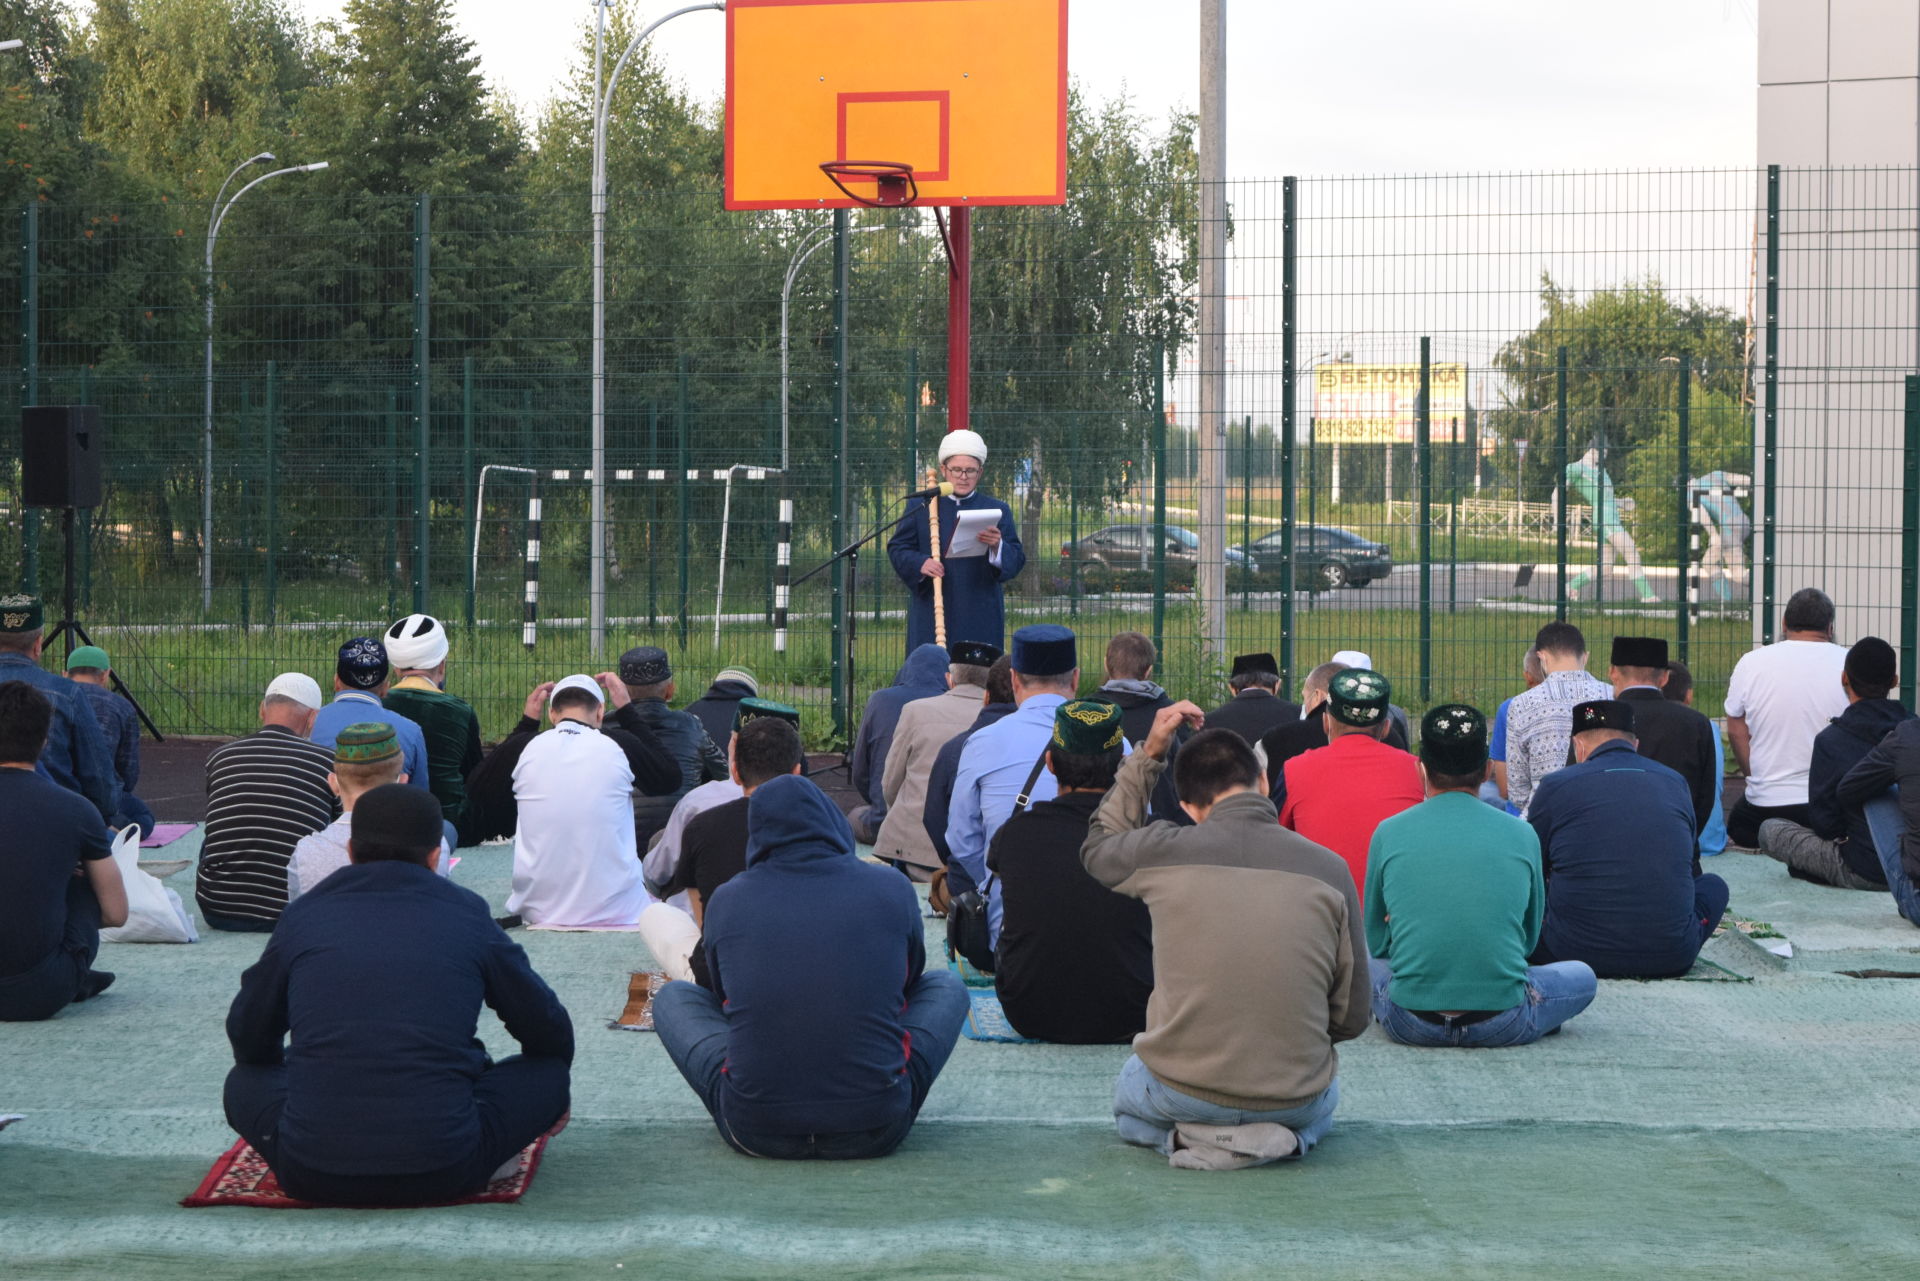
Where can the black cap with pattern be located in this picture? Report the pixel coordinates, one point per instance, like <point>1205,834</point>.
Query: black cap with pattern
<point>1358,697</point>
<point>974,653</point>
<point>645,665</point>
<point>1453,739</point>
<point>361,663</point>
<point>1603,713</point>
<point>1087,727</point>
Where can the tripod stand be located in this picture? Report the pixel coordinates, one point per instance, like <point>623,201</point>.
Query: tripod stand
<point>69,626</point>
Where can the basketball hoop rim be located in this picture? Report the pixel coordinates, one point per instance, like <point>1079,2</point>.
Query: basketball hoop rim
<point>885,173</point>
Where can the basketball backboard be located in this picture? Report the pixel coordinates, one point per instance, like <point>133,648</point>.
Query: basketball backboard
<point>971,93</point>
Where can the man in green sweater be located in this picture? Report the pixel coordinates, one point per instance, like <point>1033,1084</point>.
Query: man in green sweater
<point>417,650</point>
<point>1454,905</point>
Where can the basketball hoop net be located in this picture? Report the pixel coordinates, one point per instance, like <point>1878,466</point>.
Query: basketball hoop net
<point>895,185</point>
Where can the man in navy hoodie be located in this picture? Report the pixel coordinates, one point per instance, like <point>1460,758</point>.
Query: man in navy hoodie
<point>824,1031</point>
<point>385,1095</point>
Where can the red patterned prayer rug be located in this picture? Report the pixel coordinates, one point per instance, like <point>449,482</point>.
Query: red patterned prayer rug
<point>241,1177</point>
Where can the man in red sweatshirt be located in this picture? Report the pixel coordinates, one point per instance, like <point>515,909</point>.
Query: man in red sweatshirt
<point>1336,795</point>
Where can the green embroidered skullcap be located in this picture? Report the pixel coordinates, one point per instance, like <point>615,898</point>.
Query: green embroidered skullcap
<point>20,613</point>
<point>1358,696</point>
<point>365,744</point>
<point>748,710</point>
<point>1453,739</point>
<point>1087,727</point>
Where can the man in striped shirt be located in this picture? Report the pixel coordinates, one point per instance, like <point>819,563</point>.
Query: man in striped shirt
<point>264,792</point>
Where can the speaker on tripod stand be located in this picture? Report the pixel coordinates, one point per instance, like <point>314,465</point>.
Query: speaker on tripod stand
<point>60,451</point>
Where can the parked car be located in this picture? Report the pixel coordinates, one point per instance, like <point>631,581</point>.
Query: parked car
<point>1325,557</point>
<point>1120,557</point>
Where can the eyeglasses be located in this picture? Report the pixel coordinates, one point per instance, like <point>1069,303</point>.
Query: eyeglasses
<point>963,473</point>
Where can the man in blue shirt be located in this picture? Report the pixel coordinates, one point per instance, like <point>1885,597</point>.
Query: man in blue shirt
<point>1624,889</point>
<point>76,757</point>
<point>360,675</point>
<point>384,1094</point>
<point>91,671</point>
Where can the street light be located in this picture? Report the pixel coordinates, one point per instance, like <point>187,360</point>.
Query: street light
<point>5,45</point>
<point>602,108</point>
<point>215,216</point>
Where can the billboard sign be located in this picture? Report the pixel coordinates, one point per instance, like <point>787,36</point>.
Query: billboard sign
<point>1375,404</point>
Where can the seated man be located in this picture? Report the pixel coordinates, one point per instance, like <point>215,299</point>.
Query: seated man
<point>923,675</point>
<point>1336,795</point>
<point>89,668</point>
<point>1296,738</point>
<point>76,758</point>
<point>824,1030</point>
<point>1835,846</point>
<point>58,881</point>
<point>1894,761</point>
<point>1130,687</point>
<point>264,792</point>
<point>996,705</point>
<point>361,675</point>
<point>714,849</point>
<point>1256,706</point>
<point>716,709</point>
<point>417,649</point>
<point>384,1094</point>
<point>1075,960</point>
<point>648,676</point>
<point>1454,904</point>
<point>1669,732</point>
<point>1624,889</point>
<point>1531,674</point>
<point>574,858</point>
<point>365,756</point>
<point>927,725</point>
<point>1679,689</point>
<point>1260,966</point>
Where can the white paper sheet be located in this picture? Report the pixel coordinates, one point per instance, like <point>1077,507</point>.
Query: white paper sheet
<point>966,532</point>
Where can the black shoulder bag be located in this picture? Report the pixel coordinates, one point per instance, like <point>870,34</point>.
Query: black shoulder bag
<point>967,933</point>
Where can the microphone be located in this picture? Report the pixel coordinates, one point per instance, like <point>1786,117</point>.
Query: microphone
<point>943,490</point>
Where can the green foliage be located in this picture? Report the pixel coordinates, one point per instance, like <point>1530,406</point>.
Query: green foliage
<point>43,90</point>
<point>1719,438</point>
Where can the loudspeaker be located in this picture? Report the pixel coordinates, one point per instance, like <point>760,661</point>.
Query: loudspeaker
<point>60,449</point>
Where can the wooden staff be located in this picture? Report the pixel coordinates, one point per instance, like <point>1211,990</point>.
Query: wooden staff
<point>939,584</point>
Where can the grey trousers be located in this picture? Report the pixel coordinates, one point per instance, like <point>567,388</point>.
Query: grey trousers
<point>1810,854</point>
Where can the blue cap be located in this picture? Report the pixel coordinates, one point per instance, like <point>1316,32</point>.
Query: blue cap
<point>1044,649</point>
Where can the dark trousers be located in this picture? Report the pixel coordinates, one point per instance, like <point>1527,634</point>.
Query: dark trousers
<point>133,810</point>
<point>60,979</point>
<point>1744,820</point>
<point>236,924</point>
<point>519,1099</point>
<point>1710,895</point>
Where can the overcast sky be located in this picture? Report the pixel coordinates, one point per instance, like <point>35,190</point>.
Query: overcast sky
<point>1314,87</point>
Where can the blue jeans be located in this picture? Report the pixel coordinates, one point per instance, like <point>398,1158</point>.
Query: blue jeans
<point>1145,1110</point>
<point>1889,834</point>
<point>1555,993</point>
<point>693,1027</point>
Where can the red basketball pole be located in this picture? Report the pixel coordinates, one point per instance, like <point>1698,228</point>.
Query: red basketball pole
<point>959,318</point>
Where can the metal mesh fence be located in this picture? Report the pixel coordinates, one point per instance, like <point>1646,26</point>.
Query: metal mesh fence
<point>1649,403</point>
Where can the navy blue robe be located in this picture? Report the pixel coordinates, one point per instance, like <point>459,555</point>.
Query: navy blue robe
<point>974,609</point>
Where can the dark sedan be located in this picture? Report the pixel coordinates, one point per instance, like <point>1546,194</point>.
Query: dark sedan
<point>1325,557</point>
<point>1120,557</point>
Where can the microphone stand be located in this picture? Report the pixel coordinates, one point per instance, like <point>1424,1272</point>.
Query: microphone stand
<point>851,554</point>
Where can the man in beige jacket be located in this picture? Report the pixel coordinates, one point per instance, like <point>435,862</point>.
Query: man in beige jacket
<point>1259,958</point>
<point>926,725</point>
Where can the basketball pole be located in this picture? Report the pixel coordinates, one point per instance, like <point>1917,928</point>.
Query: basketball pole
<point>960,318</point>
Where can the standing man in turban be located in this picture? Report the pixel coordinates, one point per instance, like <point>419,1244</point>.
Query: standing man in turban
<point>972,592</point>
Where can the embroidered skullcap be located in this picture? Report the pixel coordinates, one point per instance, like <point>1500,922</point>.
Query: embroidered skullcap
<point>1603,713</point>
<point>1358,696</point>
<point>366,743</point>
<point>645,665</point>
<point>20,612</point>
<point>362,663</point>
<point>1087,727</point>
<point>1453,739</point>
<point>973,653</point>
<point>749,710</point>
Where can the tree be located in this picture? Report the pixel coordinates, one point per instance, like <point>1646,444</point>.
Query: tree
<point>43,90</point>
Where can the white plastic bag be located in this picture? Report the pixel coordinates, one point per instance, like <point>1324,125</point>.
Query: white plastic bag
<point>155,913</point>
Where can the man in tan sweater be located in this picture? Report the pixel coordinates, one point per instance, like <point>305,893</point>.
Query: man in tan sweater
<point>1260,958</point>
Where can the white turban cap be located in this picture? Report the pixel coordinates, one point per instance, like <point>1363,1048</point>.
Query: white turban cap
<point>417,641</point>
<point>1347,657</point>
<point>964,443</point>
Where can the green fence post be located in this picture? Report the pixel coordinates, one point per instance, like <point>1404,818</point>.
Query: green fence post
<point>391,551</point>
<point>1289,372</point>
<point>913,418</point>
<point>270,490</point>
<point>1909,553</point>
<point>1246,514</point>
<point>842,615</point>
<point>1073,520</point>
<point>1423,461</point>
<point>84,522</point>
<point>1770,476</point>
<point>682,487</point>
<point>422,395</point>
<point>772,450</point>
<point>653,517</point>
<point>1683,522</point>
<point>30,376</point>
<point>1560,484</point>
<point>467,495</point>
<point>1601,485</point>
<point>1159,499</point>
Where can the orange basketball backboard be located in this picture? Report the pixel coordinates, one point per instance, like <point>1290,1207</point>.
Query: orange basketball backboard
<point>971,93</point>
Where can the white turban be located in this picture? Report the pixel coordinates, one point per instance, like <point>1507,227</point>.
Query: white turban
<point>964,443</point>
<point>1346,657</point>
<point>417,642</point>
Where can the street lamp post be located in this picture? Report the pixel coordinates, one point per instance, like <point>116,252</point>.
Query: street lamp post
<point>217,214</point>
<point>602,108</point>
<point>6,45</point>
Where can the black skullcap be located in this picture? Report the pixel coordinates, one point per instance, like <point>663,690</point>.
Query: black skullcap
<point>645,665</point>
<point>399,815</point>
<point>1453,739</point>
<point>1871,661</point>
<point>1603,713</point>
<point>1639,651</point>
<point>1261,663</point>
<point>974,653</point>
<point>1358,697</point>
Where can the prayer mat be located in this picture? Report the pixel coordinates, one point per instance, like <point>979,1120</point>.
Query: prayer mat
<point>241,1177</point>
<point>1705,971</point>
<point>968,975</point>
<point>986,1021</point>
<point>166,834</point>
<point>638,1015</point>
<point>588,929</point>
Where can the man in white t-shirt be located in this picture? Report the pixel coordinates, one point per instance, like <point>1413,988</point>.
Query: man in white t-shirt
<point>574,859</point>
<point>1780,697</point>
